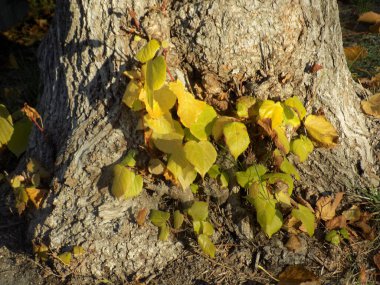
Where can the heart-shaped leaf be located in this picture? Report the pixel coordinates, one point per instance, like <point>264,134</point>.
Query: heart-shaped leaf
<point>148,51</point>
<point>321,130</point>
<point>206,245</point>
<point>201,155</point>
<point>306,216</point>
<point>237,138</point>
<point>125,182</point>
<point>301,147</point>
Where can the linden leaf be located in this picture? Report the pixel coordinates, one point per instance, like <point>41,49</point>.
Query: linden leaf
<point>181,168</point>
<point>214,171</point>
<point>281,140</point>
<point>161,125</point>
<point>306,216</point>
<point>321,130</point>
<point>250,175</point>
<point>296,104</point>
<point>164,233</point>
<point>201,155</point>
<point>6,126</point>
<point>159,218</point>
<point>224,179</point>
<point>163,100</point>
<point>198,211</point>
<point>243,104</point>
<point>269,218</point>
<point>78,250</point>
<point>125,182</point>
<point>20,137</point>
<point>132,94</point>
<point>133,74</point>
<point>274,178</point>
<point>237,138</point>
<point>272,111</point>
<point>169,142</point>
<point>65,258</point>
<point>372,106</point>
<point>155,77</point>
<point>129,159</point>
<point>301,147</point>
<point>202,127</point>
<point>291,118</point>
<point>148,51</point>
<point>206,245</point>
<point>36,196</point>
<point>288,167</point>
<point>207,228</point>
<point>177,219</point>
<point>217,129</point>
<point>21,199</point>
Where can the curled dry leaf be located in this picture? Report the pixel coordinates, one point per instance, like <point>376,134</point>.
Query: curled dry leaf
<point>369,17</point>
<point>294,243</point>
<point>298,275</point>
<point>376,260</point>
<point>355,52</point>
<point>326,206</point>
<point>372,105</point>
<point>337,223</point>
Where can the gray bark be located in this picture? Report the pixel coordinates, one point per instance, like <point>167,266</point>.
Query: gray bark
<point>214,42</point>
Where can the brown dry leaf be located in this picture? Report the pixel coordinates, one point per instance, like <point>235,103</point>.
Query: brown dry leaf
<point>376,260</point>
<point>368,232</point>
<point>141,216</point>
<point>293,243</point>
<point>363,275</point>
<point>36,195</point>
<point>353,214</point>
<point>336,223</point>
<point>372,105</point>
<point>369,83</point>
<point>33,115</point>
<point>298,275</point>
<point>292,225</point>
<point>375,28</point>
<point>369,17</point>
<point>326,206</point>
<point>355,52</point>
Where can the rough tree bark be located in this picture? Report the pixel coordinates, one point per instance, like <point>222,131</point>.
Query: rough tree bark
<point>270,45</point>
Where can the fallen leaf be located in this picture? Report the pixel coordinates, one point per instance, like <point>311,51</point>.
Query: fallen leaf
<point>353,214</point>
<point>36,195</point>
<point>298,275</point>
<point>363,275</point>
<point>376,260</point>
<point>336,223</point>
<point>33,115</point>
<point>141,216</point>
<point>293,243</point>
<point>369,17</point>
<point>372,105</point>
<point>355,52</point>
<point>326,206</point>
<point>321,130</point>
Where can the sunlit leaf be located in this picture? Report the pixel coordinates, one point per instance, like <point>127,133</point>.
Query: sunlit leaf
<point>155,77</point>
<point>78,250</point>
<point>224,179</point>
<point>272,111</point>
<point>243,104</point>
<point>201,155</point>
<point>214,171</point>
<point>36,195</point>
<point>169,142</point>
<point>207,228</point>
<point>164,233</point>
<point>206,245</point>
<point>250,175</point>
<point>333,237</point>
<point>181,168</point>
<point>369,17</point>
<point>129,159</point>
<point>6,125</point>
<point>177,219</point>
<point>202,127</point>
<point>41,251</point>
<point>148,51</point>
<point>301,147</point>
<point>281,140</point>
<point>237,138</point>
<point>133,74</point>
<point>159,218</point>
<point>132,95</point>
<point>296,104</point>
<point>291,118</point>
<point>273,178</point>
<point>20,137</point>
<point>197,227</point>
<point>217,129</point>
<point>194,188</point>
<point>161,125</point>
<point>33,115</point>
<point>321,130</point>
<point>198,211</point>
<point>371,106</point>
<point>163,100</point>
<point>306,216</point>
<point>65,258</point>
<point>288,167</point>
<point>326,206</point>
<point>125,182</point>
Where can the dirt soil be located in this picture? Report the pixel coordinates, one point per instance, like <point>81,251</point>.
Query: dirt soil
<point>245,254</point>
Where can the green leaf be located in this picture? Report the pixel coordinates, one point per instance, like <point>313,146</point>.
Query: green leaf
<point>125,182</point>
<point>269,218</point>
<point>301,147</point>
<point>217,129</point>
<point>237,138</point>
<point>129,160</point>
<point>206,245</point>
<point>207,228</point>
<point>296,104</point>
<point>306,216</point>
<point>177,219</point>
<point>273,178</point>
<point>197,227</point>
<point>20,137</point>
<point>288,167</point>
<point>148,51</point>
<point>65,258</point>
<point>6,125</point>
<point>202,127</point>
<point>333,237</point>
<point>224,179</point>
<point>159,218</point>
<point>201,155</point>
<point>291,118</point>
<point>194,188</point>
<point>214,171</point>
<point>198,211</point>
<point>155,77</point>
<point>78,250</point>
<point>181,168</point>
<point>243,104</point>
<point>252,174</point>
<point>344,233</point>
<point>164,233</point>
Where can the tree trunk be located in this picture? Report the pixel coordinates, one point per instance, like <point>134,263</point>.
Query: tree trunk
<point>270,46</point>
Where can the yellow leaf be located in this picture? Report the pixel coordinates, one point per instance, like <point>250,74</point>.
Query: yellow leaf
<point>36,196</point>
<point>155,77</point>
<point>243,104</point>
<point>163,100</point>
<point>202,127</point>
<point>301,147</point>
<point>291,118</point>
<point>237,138</point>
<point>281,140</point>
<point>296,104</point>
<point>169,142</point>
<point>161,125</point>
<point>273,111</point>
<point>372,105</point>
<point>369,17</point>
<point>201,155</point>
<point>148,51</point>
<point>217,129</point>
<point>125,182</point>
<point>355,52</point>
<point>65,258</point>
<point>21,199</point>
<point>6,126</point>
<point>78,250</point>
<point>181,168</point>
<point>132,95</point>
<point>321,130</point>
<point>133,74</point>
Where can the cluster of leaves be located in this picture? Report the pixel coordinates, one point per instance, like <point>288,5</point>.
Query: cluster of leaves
<point>43,253</point>
<point>181,128</point>
<point>27,188</point>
